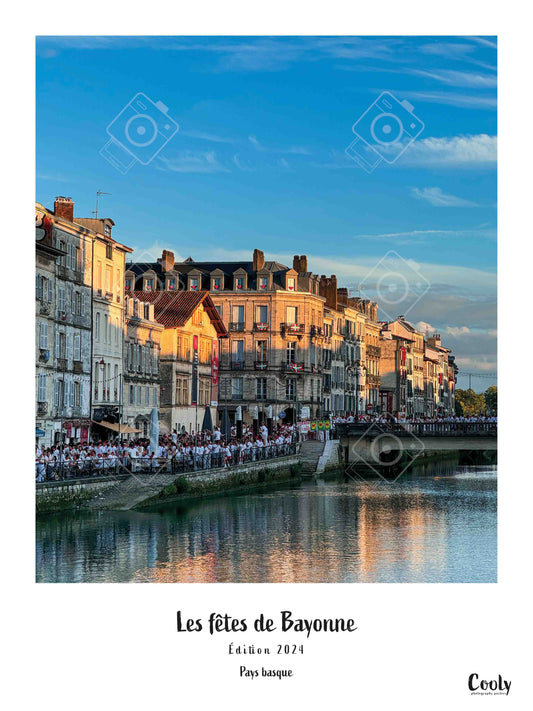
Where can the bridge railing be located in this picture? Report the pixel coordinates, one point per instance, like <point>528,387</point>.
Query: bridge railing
<point>114,466</point>
<point>420,429</point>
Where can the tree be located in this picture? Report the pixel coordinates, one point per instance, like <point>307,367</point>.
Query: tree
<point>491,399</point>
<point>469,402</point>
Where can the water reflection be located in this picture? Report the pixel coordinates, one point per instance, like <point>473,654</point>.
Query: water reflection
<point>437,524</point>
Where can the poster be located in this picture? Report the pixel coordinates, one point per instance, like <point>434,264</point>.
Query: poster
<point>223,567</point>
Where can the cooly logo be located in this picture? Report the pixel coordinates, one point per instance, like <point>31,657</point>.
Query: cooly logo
<point>488,687</point>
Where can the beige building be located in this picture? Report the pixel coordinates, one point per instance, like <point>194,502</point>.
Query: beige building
<point>190,337</point>
<point>274,317</point>
<point>141,377</point>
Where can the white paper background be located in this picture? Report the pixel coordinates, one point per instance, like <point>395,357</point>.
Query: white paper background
<point>116,646</point>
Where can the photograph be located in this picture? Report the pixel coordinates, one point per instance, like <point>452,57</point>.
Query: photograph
<point>266,309</point>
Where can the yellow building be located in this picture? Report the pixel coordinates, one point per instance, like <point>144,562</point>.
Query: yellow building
<point>189,356</point>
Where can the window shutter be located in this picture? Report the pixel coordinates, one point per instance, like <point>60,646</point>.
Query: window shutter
<point>69,345</point>
<point>71,394</point>
<point>56,393</point>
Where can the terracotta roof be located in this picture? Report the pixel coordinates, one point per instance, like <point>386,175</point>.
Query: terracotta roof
<point>174,308</point>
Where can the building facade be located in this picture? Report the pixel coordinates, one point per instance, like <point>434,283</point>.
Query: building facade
<point>189,358</point>
<point>140,386</point>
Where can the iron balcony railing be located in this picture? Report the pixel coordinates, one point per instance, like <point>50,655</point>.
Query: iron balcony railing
<point>260,326</point>
<point>294,367</point>
<point>261,364</point>
<point>292,328</point>
<point>236,326</point>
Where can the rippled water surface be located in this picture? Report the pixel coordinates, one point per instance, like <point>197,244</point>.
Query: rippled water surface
<point>435,525</point>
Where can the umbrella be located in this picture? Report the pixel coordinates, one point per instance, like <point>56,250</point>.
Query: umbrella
<point>207,424</point>
<point>154,431</point>
<point>225,426</point>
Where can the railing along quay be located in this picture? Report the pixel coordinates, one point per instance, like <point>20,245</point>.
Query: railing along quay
<point>420,429</point>
<point>181,464</point>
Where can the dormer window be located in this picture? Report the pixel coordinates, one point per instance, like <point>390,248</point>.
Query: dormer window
<point>129,285</point>
<point>217,283</point>
<point>239,283</point>
<point>263,283</point>
<point>194,284</point>
<point>171,284</point>
<point>291,284</point>
<point>148,284</point>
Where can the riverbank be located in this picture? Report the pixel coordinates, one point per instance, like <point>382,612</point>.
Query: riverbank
<point>126,492</point>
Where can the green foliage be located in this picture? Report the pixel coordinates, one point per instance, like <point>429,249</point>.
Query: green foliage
<point>491,399</point>
<point>468,403</point>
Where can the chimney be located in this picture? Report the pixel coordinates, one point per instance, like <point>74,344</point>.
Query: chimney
<point>259,260</point>
<point>328,289</point>
<point>342,296</point>
<point>299,263</point>
<point>64,207</point>
<point>166,260</point>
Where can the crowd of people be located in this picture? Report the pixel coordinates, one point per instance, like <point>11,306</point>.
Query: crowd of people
<point>175,452</point>
<point>415,419</point>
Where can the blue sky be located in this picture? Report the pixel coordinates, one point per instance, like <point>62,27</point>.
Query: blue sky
<point>259,159</point>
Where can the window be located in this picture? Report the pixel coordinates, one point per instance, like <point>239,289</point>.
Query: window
<point>149,284</point>
<point>147,395</point>
<point>108,279</point>
<point>182,392</point>
<point>115,384</point>
<point>77,346</point>
<point>77,394</point>
<point>61,299</point>
<point>204,391</point>
<point>261,314</point>
<point>291,352</point>
<point>76,304</point>
<point>217,283</point>
<point>78,259</point>
<point>219,310</point>
<point>129,284</point>
<point>239,283</point>
<point>39,286</point>
<point>41,388</point>
<point>291,283</point>
<point>205,350</point>
<point>132,395</point>
<point>237,352</point>
<point>171,285</point>
<point>43,336</point>
<point>236,388</point>
<point>56,393</point>
<point>238,316</point>
<point>108,247</point>
<point>97,326</point>
<point>261,351</point>
<point>139,399</point>
<point>263,283</point>
<point>290,389</point>
<point>292,314</point>
<point>154,402</point>
<point>106,332</point>
<point>62,345</point>
<point>194,283</point>
<point>261,388</point>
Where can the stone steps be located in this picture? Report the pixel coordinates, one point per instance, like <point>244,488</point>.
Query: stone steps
<point>310,453</point>
<point>131,491</point>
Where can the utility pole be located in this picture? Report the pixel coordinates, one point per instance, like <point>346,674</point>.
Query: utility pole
<point>98,193</point>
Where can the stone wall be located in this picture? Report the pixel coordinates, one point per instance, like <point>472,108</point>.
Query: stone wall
<point>59,495</point>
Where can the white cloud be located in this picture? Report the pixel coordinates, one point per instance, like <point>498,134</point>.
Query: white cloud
<point>455,78</point>
<point>438,198</point>
<point>475,151</point>
<point>457,330</point>
<point>189,162</point>
<point>465,101</point>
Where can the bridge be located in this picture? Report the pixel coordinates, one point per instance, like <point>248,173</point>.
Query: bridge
<point>387,443</point>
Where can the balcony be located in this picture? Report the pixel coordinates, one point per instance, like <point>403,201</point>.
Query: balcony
<point>45,308</point>
<point>77,366</point>
<point>373,381</point>
<point>373,351</point>
<point>236,326</point>
<point>237,365</point>
<point>44,355</point>
<point>292,328</point>
<point>316,368</point>
<point>317,331</point>
<point>42,408</point>
<point>78,320</point>
<point>294,367</point>
<point>260,364</point>
<point>61,363</point>
<point>259,326</point>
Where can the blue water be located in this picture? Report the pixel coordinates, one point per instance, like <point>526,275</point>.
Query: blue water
<point>436,525</point>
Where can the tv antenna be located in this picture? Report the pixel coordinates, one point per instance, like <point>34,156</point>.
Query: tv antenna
<point>98,193</point>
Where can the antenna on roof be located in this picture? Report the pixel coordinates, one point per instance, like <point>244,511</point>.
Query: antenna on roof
<point>98,193</point>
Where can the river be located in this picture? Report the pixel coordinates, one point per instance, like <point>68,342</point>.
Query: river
<point>437,524</point>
